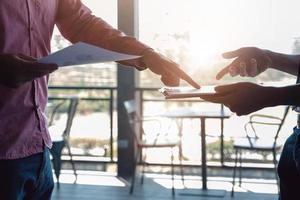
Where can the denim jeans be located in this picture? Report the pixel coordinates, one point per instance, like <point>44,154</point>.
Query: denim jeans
<point>288,168</point>
<point>27,178</point>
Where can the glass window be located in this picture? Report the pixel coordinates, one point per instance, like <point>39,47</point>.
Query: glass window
<point>91,128</point>
<point>195,33</point>
<point>103,74</point>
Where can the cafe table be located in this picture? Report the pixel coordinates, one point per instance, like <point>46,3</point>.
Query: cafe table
<point>188,113</point>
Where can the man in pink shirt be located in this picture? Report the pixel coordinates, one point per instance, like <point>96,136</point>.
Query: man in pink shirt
<point>26,28</point>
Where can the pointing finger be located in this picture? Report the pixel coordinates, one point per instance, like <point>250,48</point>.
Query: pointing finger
<point>223,72</point>
<point>181,74</point>
<point>232,54</point>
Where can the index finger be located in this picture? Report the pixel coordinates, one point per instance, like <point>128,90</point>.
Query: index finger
<point>223,72</point>
<point>184,76</point>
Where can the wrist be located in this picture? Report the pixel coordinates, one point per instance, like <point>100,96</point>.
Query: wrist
<point>281,96</point>
<point>145,55</point>
<point>272,96</point>
<point>290,95</point>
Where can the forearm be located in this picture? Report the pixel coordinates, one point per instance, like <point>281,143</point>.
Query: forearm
<point>288,95</point>
<point>101,34</point>
<point>284,62</point>
<point>77,23</point>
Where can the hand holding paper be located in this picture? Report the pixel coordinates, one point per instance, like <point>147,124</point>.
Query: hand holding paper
<point>82,53</point>
<point>17,69</point>
<point>242,98</point>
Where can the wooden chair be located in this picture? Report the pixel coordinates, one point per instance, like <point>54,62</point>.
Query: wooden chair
<point>254,142</point>
<point>159,141</point>
<point>60,138</point>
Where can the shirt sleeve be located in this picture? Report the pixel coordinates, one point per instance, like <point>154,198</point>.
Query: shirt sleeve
<point>77,23</point>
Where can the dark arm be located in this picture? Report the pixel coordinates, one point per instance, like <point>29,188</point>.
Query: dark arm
<point>289,95</point>
<point>284,62</point>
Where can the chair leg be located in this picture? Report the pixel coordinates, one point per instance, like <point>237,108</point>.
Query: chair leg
<point>275,167</point>
<point>240,169</point>
<point>143,167</point>
<point>134,171</point>
<point>58,184</point>
<point>72,162</point>
<point>172,169</point>
<point>180,162</point>
<point>58,174</point>
<point>56,159</point>
<point>234,172</point>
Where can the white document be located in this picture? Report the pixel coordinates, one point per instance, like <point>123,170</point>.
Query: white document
<point>82,53</point>
<point>187,92</point>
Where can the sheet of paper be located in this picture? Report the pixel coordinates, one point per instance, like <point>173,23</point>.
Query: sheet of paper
<point>82,53</point>
<point>186,92</point>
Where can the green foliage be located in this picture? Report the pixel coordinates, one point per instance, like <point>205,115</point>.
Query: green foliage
<point>213,149</point>
<point>87,144</point>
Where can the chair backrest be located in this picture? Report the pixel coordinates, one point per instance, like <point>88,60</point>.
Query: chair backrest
<point>261,120</point>
<point>71,113</point>
<point>286,111</point>
<point>130,107</point>
<point>54,112</point>
<point>134,119</point>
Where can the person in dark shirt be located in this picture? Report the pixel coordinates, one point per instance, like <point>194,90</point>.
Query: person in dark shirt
<point>244,98</point>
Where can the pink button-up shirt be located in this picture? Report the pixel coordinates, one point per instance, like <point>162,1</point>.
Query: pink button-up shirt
<point>26,27</point>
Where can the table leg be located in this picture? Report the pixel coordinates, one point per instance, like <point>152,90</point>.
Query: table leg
<point>204,192</point>
<point>203,152</point>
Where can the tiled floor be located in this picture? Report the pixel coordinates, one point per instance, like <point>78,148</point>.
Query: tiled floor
<point>105,186</point>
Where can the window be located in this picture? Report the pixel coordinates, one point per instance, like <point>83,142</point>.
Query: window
<point>195,33</point>
<point>103,74</point>
<point>90,133</point>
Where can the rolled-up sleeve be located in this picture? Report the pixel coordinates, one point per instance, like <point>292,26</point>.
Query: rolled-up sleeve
<point>77,23</point>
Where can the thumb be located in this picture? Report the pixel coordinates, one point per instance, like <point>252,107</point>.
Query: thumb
<point>26,58</point>
<point>232,54</point>
<point>226,88</point>
<point>51,67</point>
